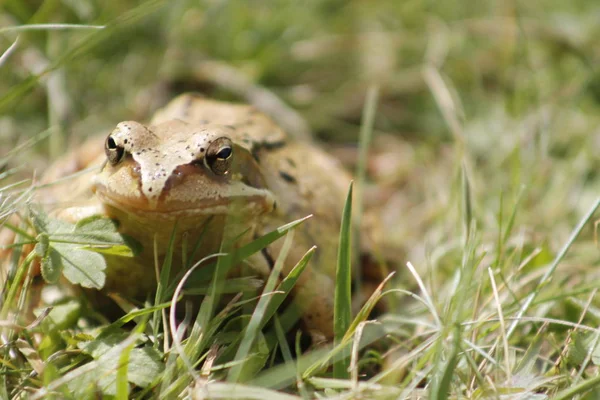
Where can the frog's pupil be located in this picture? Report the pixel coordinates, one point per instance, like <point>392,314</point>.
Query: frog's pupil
<point>111,143</point>
<point>224,153</point>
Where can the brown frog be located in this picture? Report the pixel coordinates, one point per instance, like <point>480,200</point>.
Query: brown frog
<point>201,161</point>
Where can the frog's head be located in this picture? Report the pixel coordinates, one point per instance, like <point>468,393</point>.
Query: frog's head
<point>176,169</point>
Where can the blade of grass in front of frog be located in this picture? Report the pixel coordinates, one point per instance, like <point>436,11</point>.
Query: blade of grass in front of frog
<point>239,255</point>
<point>283,375</point>
<point>181,367</point>
<point>299,381</point>
<point>285,287</point>
<point>253,327</point>
<point>163,276</point>
<point>207,307</point>
<point>197,246</point>
<point>342,350</point>
<point>203,328</point>
<point>342,310</point>
<point>366,309</point>
<point>187,264</point>
<point>206,273</point>
<point>287,355</point>
<point>362,316</point>
<point>195,350</point>
<point>291,314</point>
<point>234,285</point>
<point>133,315</point>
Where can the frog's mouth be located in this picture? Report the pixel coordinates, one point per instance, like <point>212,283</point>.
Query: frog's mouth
<point>194,195</point>
<point>240,205</point>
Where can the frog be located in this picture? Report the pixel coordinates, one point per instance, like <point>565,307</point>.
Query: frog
<point>222,171</point>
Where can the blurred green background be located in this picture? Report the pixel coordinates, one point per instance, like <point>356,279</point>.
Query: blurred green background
<point>509,89</point>
<point>318,56</point>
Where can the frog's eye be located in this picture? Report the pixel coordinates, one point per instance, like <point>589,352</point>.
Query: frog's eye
<point>113,151</point>
<point>219,156</point>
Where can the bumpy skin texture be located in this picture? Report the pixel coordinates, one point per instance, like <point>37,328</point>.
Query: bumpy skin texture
<point>164,178</point>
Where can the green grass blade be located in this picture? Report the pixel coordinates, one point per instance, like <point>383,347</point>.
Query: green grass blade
<point>239,255</point>
<point>467,202</point>
<point>47,27</point>
<point>343,287</point>
<point>254,325</point>
<point>578,389</point>
<point>548,274</point>
<point>285,287</point>
<point>163,282</point>
<point>442,377</point>
<point>121,379</point>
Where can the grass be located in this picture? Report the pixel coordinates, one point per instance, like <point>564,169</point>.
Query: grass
<point>476,174</point>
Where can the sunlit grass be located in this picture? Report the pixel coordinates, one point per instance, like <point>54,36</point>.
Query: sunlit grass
<point>477,185</point>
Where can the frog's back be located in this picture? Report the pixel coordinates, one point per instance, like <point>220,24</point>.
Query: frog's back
<point>250,126</point>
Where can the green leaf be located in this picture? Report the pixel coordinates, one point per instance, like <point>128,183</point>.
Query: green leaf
<point>105,231</point>
<point>80,266</point>
<point>116,250</point>
<point>143,368</point>
<point>102,344</point>
<point>51,266</point>
<point>145,365</point>
<point>42,245</point>
<point>76,250</point>
<point>582,343</point>
<point>64,315</point>
<point>39,219</point>
<point>44,224</point>
<point>98,229</point>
